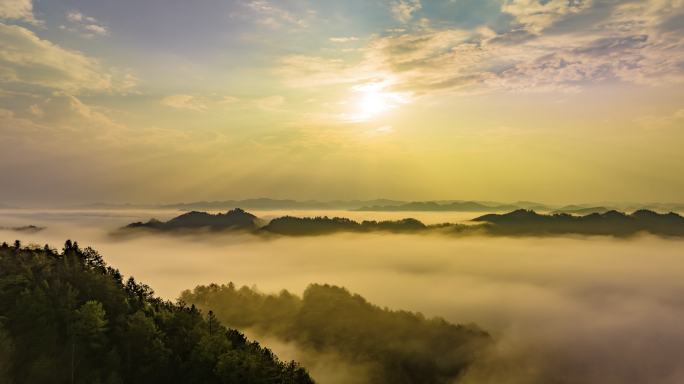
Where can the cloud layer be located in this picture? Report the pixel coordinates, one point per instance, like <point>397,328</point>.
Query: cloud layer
<point>549,46</point>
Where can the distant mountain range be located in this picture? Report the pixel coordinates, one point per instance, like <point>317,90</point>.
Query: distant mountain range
<point>252,204</point>
<point>434,207</point>
<point>3,206</point>
<point>583,211</point>
<point>517,223</point>
<point>384,205</point>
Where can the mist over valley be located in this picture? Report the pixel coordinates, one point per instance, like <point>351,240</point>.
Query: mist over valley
<point>565,308</point>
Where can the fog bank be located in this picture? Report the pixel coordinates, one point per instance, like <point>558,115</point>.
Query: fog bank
<point>562,310</point>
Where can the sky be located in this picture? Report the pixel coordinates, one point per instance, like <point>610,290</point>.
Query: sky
<point>149,101</point>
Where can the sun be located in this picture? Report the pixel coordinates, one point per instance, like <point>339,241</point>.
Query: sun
<point>374,103</point>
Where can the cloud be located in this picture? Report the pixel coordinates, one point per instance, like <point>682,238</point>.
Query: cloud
<point>26,58</point>
<point>402,9</point>
<point>327,119</point>
<point>264,7</point>
<point>382,130</point>
<point>269,103</point>
<point>343,39</point>
<point>67,111</point>
<point>229,100</point>
<point>193,102</point>
<point>97,29</point>
<point>75,16</point>
<point>63,123</point>
<point>9,94</point>
<point>86,23</point>
<point>654,122</point>
<point>556,45</point>
<point>18,10</point>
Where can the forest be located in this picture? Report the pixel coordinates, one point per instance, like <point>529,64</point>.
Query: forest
<point>399,347</point>
<point>67,317</point>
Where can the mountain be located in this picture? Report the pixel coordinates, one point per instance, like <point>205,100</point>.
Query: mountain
<point>252,204</point>
<point>235,219</point>
<point>469,206</point>
<point>393,346</point>
<point>27,228</point>
<point>238,219</point>
<point>355,204</point>
<point>307,226</point>
<point>540,208</point>
<point>3,206</point>
<point>584,211</point>
<point>107,206</point>
<point>532,205</point>
<point>518,222</point>
<point>69,318</point>
<point>611,223</point>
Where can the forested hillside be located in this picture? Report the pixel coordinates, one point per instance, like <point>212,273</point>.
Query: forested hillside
<point>66,317</point>
<point>399,347</point>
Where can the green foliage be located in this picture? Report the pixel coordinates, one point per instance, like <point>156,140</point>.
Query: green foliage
<point>90,325</point>
<point>402,347</point>
<point>69,318</point>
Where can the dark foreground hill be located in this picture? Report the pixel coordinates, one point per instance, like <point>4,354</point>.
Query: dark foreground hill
<point>398,347</point>
<point>68,318</point>
<point>611,223</point>
<point>235,219</point>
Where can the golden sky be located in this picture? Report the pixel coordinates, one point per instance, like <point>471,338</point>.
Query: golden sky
<point>151,101</point>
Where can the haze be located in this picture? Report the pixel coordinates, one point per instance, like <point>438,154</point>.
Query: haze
<point>562,309</point>
<point>165,102</point>
<point>176,106</point>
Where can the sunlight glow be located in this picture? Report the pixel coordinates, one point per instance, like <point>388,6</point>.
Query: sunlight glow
<point>374,103</point>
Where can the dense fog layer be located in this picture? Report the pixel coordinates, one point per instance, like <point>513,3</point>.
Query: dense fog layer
<point>561,309</point>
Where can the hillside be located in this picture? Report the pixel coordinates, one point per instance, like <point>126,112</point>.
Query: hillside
<point>236,219</point>
<point>611,223</point>
<point>69,318</point>
<point>399,347</point>
<point>295,226</point>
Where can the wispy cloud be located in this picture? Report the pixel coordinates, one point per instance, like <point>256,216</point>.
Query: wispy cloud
<point>28,59</point>
<point>269,103</point>
<point>343,39</point>
<point>86,23</point>
<point>18,10</point>
<point>8,94</point>
<point>556,46</point>
<point>194,102</point>
<point>403,9</point>
<point>274,15</point>
<point>654,122</point>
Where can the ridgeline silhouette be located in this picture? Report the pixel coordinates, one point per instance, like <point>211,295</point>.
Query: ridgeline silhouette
<point>468,206</point>
<point>517,223</point>
<point>26,228</point>
<point>69,318</point>
<point>236,219</point>
<point>611,223</point>
<point>307,226</point>
<point>399,347</point>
